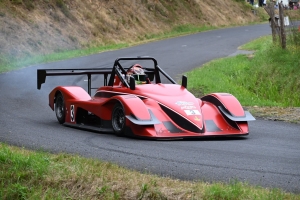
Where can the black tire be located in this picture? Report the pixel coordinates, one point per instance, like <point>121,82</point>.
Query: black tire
<point>60,108</point>
<point>118,119</point>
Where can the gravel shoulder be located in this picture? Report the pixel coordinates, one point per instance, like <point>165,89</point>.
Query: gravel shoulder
<point>290,114</point>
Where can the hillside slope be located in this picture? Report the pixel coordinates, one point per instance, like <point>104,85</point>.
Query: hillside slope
<point>29,27</point>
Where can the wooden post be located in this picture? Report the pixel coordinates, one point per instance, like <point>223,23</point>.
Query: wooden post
<point>270,10</point>
<point>282,27</point>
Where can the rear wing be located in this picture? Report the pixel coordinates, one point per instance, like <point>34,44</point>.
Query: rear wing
<point>43,73</point>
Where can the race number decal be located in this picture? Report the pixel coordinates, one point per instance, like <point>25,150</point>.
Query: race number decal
<point>72,116</point>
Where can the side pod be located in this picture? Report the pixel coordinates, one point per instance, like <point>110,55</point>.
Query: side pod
<point>229,106</point>
<point>136,111</point>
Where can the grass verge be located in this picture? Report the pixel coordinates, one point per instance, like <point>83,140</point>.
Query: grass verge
<point>268,77</point>
<point>39,175</point>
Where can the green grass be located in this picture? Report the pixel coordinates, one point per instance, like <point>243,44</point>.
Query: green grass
<point>270,77</point>
<point>39,175</point>
<point>20,174</point>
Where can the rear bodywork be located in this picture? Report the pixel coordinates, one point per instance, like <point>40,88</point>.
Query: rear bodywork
<point>153,110</point>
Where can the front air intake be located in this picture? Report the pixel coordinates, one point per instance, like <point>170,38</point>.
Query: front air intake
<point>181,121</point>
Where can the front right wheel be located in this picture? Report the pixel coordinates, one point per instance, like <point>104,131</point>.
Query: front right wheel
<point>118,119</point>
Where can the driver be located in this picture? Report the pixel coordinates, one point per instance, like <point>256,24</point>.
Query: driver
<point>138,73</point>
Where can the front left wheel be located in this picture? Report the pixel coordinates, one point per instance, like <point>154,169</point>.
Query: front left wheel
<point>60,108</point>
<point>118,119</point>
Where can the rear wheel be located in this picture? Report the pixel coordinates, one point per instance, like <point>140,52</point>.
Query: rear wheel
<point>118,119</point>
<point>60,108</point>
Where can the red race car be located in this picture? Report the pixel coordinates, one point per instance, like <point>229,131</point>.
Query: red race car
<point>136,101</point>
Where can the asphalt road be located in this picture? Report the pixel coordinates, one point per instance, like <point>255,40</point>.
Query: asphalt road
<point>269,156</point>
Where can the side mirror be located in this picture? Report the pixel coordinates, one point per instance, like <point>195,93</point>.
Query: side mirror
<point>132,83</point>
<point>184,81</point>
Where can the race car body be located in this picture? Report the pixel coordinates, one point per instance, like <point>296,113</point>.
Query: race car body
<point>134,101</point>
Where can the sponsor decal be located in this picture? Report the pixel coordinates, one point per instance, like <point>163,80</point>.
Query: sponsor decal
<point>159,130</point>
<point>184,103</point>
<point>197,118</point>
<point>188,107</point>
<point>72,116</point>
<point>192,112</point>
